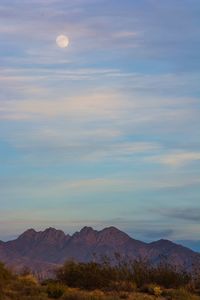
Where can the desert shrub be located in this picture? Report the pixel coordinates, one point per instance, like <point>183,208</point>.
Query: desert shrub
<point>140,271</point>
<point>126,286</point>
<point>76,295</point>
<point>5,275</point>
<point>25,271</point>
<point>152,289</point>
<point>28,279</point>
<point>72,296</point>
<point>123,295</point>
<point>94,295</point>
<point>163,275</point>
<point>194,284</point>
<point>26,288</point>
<point>97,293</point>
<point>180,294</point>
<point>55,290</point>
<point>125,276</point>
<point>47,281</point>
<point>157,291</point>
<point>168,277</point>
<point>86,275</point>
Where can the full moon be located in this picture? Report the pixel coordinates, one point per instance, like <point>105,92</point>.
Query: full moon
<point>62,41</point>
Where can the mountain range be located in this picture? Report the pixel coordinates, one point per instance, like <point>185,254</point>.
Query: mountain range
<point>43,251</point>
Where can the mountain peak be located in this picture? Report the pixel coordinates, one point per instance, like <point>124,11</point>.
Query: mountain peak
<point>113,235</point>
<point>162,242</point>
<point>113,231</point>
<point>52,231</point>
<point>30,233</point>
<point>50,234</point>
<point>86,230</point>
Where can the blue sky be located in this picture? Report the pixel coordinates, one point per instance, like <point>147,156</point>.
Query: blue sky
<point>106,131</point>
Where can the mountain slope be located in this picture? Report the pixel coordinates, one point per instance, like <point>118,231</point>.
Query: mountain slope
<point>43,250</point>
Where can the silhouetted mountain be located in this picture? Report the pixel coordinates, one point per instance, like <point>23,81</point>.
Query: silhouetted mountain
<point>41,251</point>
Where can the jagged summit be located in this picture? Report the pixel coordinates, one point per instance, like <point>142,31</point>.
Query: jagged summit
<point>113,231</point>
<point>86,230</point>
<point>28,234</point>
<point>48,233</point>
<point>113,234</point>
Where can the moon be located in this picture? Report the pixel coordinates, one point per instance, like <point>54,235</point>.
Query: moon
<point>62,41</point>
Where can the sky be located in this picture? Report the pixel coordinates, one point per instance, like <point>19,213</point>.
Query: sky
<point>106,131</point>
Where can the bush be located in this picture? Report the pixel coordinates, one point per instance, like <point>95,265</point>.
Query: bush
<point>5,274</point>
<point>147,288</point>
<point>23,287</point>
<point>157,291</point>
<point>125,276</point>
<point>29,279</point>
<point>94,295</point>
<point>163,275</point>
<point>5,277</point>
<point>180,294</point>
<point>168,277</point>
<point>126,286</point>
<point>152,289</point>
<point>140,272</point>
<point>55,290</point>
<point>79,295</point>
<point>88,276</point>
<point>123,295</point>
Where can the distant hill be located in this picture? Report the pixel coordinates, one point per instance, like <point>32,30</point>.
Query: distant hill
<point>44,250</point>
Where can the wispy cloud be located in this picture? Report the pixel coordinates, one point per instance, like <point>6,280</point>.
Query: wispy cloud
<point>183,213</point>
<point>125,34</point>
<point>105,105</point>
<point>177,158</point>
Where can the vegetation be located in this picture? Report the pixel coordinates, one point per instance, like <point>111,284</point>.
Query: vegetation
<point>125,275</point>
<point>94,281</point>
